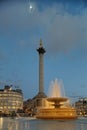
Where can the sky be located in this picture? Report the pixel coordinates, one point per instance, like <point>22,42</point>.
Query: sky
<point>62,26</point>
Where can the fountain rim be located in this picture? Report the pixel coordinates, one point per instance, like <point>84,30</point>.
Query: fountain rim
<point>57,99</point>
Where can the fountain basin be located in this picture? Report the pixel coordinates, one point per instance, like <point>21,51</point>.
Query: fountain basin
<point>57,113</point>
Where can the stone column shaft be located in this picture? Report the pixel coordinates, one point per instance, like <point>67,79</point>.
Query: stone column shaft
<point>41,73</point>
<point>41,52</point>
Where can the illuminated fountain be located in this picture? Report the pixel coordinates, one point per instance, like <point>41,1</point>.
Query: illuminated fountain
<point>59,106</point>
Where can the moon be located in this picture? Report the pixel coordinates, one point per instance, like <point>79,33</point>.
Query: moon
<point>30,7</point>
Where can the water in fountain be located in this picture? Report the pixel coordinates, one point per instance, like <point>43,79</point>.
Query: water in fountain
<point>56,89</point>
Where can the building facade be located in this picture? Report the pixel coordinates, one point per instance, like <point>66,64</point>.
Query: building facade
<point>10,100</point>
<point>81,106</point>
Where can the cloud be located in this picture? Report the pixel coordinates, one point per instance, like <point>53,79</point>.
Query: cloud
<point>16,19</point>
<point>61,29</point>
<point>67,31</point>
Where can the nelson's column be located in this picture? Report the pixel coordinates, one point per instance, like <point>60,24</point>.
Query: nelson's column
<point>41,52</point>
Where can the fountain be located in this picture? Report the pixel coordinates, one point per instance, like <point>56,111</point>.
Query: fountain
<point>59,106</point>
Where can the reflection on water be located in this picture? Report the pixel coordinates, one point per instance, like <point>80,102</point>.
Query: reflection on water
<point>1,122</point>
<point>34,124</point>
<point>14,124</point>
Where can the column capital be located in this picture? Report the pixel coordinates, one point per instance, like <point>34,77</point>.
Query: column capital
<point>41,49</point>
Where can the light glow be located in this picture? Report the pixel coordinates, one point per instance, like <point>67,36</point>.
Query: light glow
<point>30,8</point>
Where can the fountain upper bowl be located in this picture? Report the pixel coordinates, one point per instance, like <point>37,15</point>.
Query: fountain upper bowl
<point>57,99</point>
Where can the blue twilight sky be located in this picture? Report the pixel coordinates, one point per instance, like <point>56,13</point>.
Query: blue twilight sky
<point>62,25</point>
